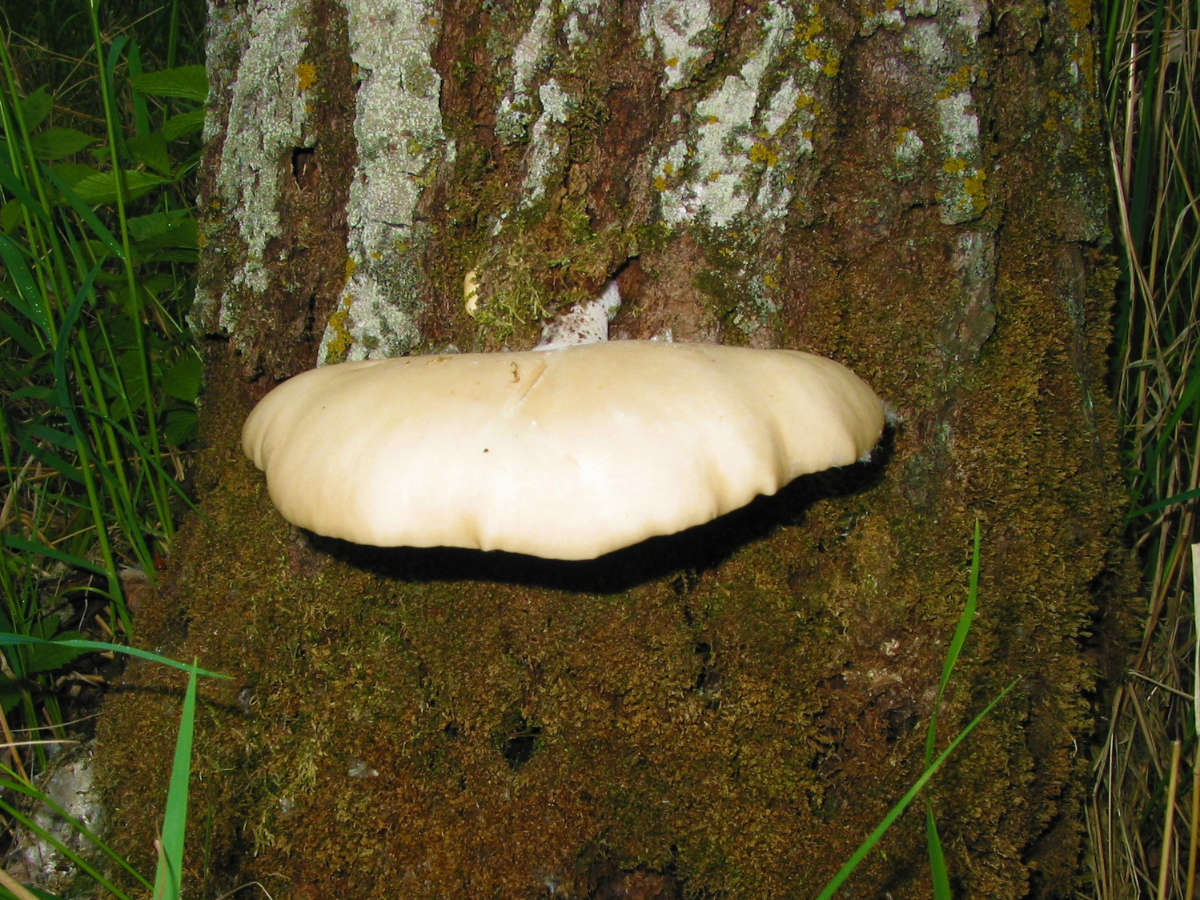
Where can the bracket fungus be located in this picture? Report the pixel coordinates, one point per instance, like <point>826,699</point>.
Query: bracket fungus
<point>565,453</point>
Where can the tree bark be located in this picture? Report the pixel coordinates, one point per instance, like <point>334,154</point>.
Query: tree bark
<point>916,189</point>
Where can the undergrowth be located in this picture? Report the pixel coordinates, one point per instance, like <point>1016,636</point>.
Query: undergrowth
<point>1144,817</point>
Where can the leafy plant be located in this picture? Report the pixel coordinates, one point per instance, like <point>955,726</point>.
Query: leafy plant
<point>97,371</point>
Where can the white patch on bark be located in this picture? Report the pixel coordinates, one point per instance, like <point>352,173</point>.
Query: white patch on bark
<point>266,121</point>
<point>675,25</point>
<point>719,182</point>
<point>546,142</point>
<point>398,128</point>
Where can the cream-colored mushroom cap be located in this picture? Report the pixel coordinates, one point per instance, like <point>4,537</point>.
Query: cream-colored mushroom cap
<point>567,454</point>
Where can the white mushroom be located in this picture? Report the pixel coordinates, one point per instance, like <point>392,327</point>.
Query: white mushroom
<point>563,453</point>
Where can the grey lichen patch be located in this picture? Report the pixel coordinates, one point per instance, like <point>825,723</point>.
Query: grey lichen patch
<point>398,128</point>
<point>677,28</point>
<point>266,120</point>
<point>752,132</point>
<point>515,110</point>
<point>943,35</point>
<point>963,177</point>
<point>906,154</point>
<point>547,141</point>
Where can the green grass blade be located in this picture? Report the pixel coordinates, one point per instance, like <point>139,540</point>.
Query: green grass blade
<point>167,879</point>
<point>937,858</point>
<point>8,640</point>
<point>881,829</point>
<point>956,644</point>
<point>39,549</point>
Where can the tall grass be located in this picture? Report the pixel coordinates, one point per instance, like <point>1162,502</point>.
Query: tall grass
<point>1142,827</point>
<point>98,375</point>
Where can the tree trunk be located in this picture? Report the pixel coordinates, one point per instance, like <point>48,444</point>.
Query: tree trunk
<point>915,189</point>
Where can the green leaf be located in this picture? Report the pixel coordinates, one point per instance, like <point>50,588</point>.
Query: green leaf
<point>36,107</point>
<point>10,215</point>
<point>184,82</point>
<point>55,143</point>
<point>53,654</point>
<point>176,228</point>
<point>181,426</point>
<point>101,189</point>
<point>182,380</point>
<point>151,151</point>
<point>183,124</point>
<point>72,173</point>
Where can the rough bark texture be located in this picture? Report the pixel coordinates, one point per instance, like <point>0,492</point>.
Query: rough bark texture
<point>915,189</point>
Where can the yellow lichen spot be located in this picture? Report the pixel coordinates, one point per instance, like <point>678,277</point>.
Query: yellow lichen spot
<point>770,282</point>
<point>816,109</point>
<point>832,67</point>
<point>668,169</point>
<point>672,62</point>
<point>432,22</point>
<point>1079,13</point>
<point>414,147</point>
<point>714,176</point>
<point>201,239</point>
<point>807,134</point>
<point>711,120</point>
<point>339,345</point>
<point>375,254</point>
<point>660,184</point>
<point>955,165</point>
<point>812,52</point>
<point>974,186</point>
<point>763,154</point>
<point>351,265</point>
<point>306,76</point>
<point>804,101</point>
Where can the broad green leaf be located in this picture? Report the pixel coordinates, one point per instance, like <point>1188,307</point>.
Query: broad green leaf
<point>72,173</point>
<point>173,229</point>
<point>55,143</point>
<point>53,654</point>
<point>151,151</point>
<point>181,426</point>
<point>10,215</point>
<point>183,124</point>
<point>101,189</point>
<point>184,82</point>
<point>183,379</point>
<point>35,108</point>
